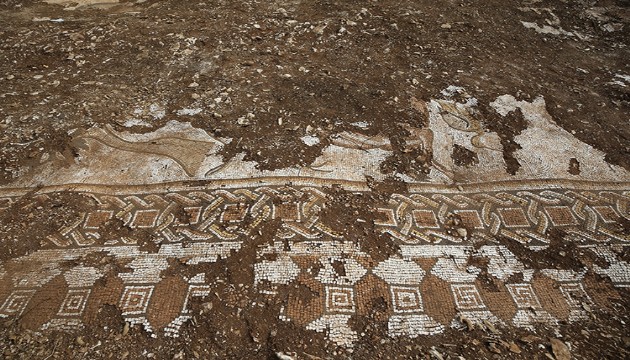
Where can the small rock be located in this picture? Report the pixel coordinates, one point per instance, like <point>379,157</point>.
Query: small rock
<point>125,329</point>
<point>80,341</point>
<point>310,140</point>
<point>436,354</point>
<point>528,339</point>
<point>462,232</point>
<point>319,30</point>
<point>491,327</point>
<point>243,121</point>
<point>469,324</point>
<point>446,26</point>
<point>10,77</point>
<point>514,348</point>
<point>207,306</point>
<point>560,350</point>
<point>493,348</point>
<point>283,356</point>
<point>193,85</point>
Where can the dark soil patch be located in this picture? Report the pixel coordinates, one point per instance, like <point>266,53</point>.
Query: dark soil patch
<point>561,253</point>
<point>353,215</point>
<point>464,157</point>
<point>29,221</point>
<point>507,127</point>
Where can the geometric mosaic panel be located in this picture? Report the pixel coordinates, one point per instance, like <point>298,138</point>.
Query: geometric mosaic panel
<point>74,303</point>
<point>406,299</point>
<point>575,295</point>
<point>425,219</point>
<point>16,302</point>
<point>145,219</point>
<point>470,218</point>
<point>607,213</point>
<point>234,212</point>
<point>561,215</point>
<point>340,300</point>
<point>514,217</point>
<point>467,297</point>
<point>135,299</point>
<point>385,217</point>
<point>97,218</point>
<point>287,211</point>
<point>524,296</point>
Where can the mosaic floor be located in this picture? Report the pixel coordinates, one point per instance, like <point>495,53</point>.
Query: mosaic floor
<point>196,208</point>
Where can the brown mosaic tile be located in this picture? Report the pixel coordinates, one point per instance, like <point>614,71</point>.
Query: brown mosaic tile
<point>311,283</point>
<point>193,213</point>
<point>438,299</point>
<point>234,212</point>
<point>470,218</point>
<point>167,301</point>
<point>287,211</point>
<point>551,297</point>
<point>425,219</point>
<point>607,213</point>
<point>6,287</point>
<point>369,289</point>
<point>561,215</point>
<point>44,304</point>
<point>145,218</point>
<point>385,217</point>
<point>514,217</point>
<point>499,302</point>
<point>303,304</point>
<point>105,292</point>
<point>425,263</point>
<point>96,219</point>
<point>601,291</point>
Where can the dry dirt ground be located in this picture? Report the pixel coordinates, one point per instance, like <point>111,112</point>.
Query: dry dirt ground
<point>128,124</point>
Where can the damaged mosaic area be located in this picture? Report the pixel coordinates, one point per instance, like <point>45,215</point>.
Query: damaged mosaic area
<point>450,269</point>
<point>458,141</point>
<point>465,241</point>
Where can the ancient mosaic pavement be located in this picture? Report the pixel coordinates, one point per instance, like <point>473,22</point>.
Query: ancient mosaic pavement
<point>173,184</point>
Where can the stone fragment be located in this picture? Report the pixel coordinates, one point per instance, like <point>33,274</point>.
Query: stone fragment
<point>560,350</point>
